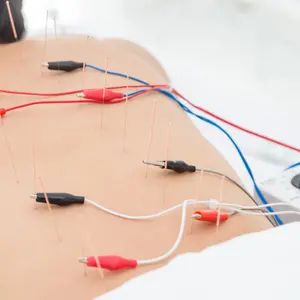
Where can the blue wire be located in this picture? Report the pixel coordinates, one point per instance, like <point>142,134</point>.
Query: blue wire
<point>125,76</point>
<point>135,93</point>
<point>293,166</point>
<point>186,109</point>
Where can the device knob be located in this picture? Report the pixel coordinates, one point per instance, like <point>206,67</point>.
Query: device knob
<point>296,181</point>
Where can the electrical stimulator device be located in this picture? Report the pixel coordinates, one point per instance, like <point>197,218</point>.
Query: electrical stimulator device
<point>283,190</point>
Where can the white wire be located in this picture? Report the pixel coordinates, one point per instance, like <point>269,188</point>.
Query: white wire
<point>232,207</point>
<point>288,212</point>
<point>153,216</point>
<point>182,226</point>
<point>146,217</point>
<point>177,242</point>
<point>255,207</point>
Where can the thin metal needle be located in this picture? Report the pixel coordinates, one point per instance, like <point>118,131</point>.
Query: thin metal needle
<point>34,174</point>
<point>45,40</point>
<point>84,62</point>
<point>167,145</point>
<point>12,22</point>
<point>166,161</point>
<point>151,135</point>
<point>199,185</point>
<point>49,208</point>
<point>103,95</point>
<point>9,152</point>
<point>219,203</point>
<point>125,121</point>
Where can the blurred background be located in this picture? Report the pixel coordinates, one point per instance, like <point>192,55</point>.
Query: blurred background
<point>237,58</point>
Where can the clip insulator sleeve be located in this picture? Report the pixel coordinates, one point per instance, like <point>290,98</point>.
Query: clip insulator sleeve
<point>211,216</point>
<point>61,199</point>
<point>179,166</point>
<point>111,263</point>
<point>104,95</point>
<point>67,66</point>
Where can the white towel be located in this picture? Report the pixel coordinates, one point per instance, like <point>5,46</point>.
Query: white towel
<point>263,265</point>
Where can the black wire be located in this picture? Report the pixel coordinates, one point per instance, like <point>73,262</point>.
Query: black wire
<point>208,171</point>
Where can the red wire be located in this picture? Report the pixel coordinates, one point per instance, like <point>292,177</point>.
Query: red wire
<point>50,102</point>
<point>235,125</point>
<point>78,91</point>
<point>152,88</point>
<point>40,94</point>
<point>77,101</point>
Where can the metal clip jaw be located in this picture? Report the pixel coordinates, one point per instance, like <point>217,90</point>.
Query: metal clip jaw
<point>157,163</point>
<point>83,260</point>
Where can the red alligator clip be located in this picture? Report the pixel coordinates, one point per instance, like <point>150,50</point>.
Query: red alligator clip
<point>100,95</point>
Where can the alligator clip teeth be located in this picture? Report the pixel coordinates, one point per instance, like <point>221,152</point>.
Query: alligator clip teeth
<point>157,163</point>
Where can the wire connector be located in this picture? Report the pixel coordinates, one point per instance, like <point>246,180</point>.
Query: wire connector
<point>61,199</point>
<point>177,166</point>
<point>67,66</point>
<point>213,204</point>
<point>111,263</point>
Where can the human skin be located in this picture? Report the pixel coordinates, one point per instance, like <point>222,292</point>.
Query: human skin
<point>66,147</point>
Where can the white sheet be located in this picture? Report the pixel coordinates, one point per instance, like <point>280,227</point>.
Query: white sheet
<point>263,266</point>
